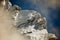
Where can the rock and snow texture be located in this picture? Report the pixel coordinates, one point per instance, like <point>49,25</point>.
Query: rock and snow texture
<point>38,35</point>
<point>29,22</point>
<point>32,24</point>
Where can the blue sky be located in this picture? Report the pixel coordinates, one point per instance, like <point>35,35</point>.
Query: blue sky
<point>24,4</point>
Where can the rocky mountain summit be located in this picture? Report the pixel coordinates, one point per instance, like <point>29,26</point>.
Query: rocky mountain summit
<point>29,22</point>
